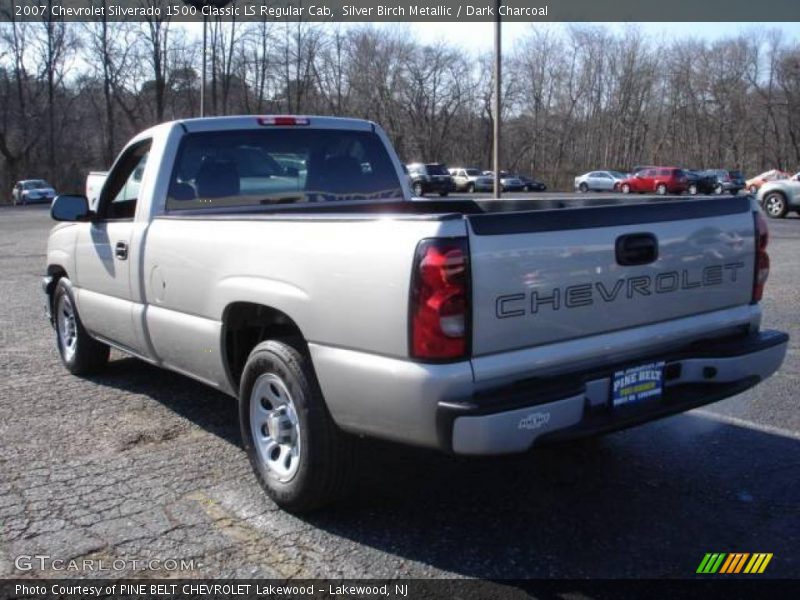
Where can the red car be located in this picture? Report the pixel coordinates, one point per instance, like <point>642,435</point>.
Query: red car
<point>661,180</point>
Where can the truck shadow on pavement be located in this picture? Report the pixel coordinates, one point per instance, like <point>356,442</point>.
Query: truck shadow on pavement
<point>647,502</point>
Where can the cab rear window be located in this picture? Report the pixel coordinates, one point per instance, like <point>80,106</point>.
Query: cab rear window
<point>280,166</point>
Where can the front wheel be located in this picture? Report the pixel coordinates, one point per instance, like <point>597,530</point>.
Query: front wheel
<point>661,189</point>
<point>583,187</point>
<point>775,205</point>
<point>443,194</point>
<point>80,353</point>
<point>626,189</point>
<point>471,188</point>
<point>692,190</point>
<point>418,191</point>
<point>300,457</point>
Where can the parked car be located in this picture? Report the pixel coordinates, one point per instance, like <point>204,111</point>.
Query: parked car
<point>529,184</point>
<point>700,182</point>
<point>430,178</point>
<point>333,306</point>
<point>661,180</point>
<point>780,197</point>
<point>727,181</point>
<point>470,180</point>
<point>508,182</point>
<point>600,181</point>
<point>30,191</point>
<point>755,183</point>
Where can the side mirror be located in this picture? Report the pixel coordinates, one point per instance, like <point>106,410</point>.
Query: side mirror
<point>67,207</point>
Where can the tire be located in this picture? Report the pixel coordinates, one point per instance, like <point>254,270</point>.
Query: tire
<point>418,190</point>
<point>471,188</point>
<point>692,189</point>
<point>661,189</point>
<point>775,205</point>
<point>753,190</point>
<point>732,192</point>
<point>583,187</point>
<point>80,353</point>
<point>314,458</point>
<point>718,190</point>
<point>626,189</point>
<point>443,194</point>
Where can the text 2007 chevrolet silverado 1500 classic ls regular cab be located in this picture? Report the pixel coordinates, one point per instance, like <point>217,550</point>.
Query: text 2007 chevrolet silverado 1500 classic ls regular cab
<point>281,260</point>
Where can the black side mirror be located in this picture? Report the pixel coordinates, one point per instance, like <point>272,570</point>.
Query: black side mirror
<point>67,207</point>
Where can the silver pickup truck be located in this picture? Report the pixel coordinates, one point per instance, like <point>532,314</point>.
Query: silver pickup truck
<point>282,261</point>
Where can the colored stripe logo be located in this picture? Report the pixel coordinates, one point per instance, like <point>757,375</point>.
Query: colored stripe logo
<point>733,563</point>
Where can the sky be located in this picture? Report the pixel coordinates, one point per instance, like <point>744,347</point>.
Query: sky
<point>480,36</point>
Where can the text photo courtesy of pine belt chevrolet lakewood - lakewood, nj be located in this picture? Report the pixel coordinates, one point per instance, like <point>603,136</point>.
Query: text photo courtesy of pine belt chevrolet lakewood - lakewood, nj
<point>408,300</point>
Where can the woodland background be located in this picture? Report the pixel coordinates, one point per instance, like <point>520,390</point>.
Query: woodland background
<point>574,99</point>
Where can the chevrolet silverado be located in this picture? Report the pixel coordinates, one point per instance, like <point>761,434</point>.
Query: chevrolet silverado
<point>282,260</point>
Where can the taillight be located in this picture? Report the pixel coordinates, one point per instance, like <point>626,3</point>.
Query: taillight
<point>762,258</point>
<point>439,302</point>
<point>283,121</point>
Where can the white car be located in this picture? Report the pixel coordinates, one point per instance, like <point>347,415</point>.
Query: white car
<point>780,197</point>
<point>600,181</point>
<point>30,191</point>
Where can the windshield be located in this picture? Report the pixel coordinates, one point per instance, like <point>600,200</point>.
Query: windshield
<point>280,166</point>
<point>36,184</point>
<point>436,169</point>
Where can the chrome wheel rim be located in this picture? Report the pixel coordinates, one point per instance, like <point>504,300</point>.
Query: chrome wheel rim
<point>275,427</point>
<point>774,205</point>
<point>67,327</point>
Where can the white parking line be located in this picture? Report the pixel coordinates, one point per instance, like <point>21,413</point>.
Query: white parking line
<point>749,424</point>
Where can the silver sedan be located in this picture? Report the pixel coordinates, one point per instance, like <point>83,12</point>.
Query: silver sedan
<point>600,181</point>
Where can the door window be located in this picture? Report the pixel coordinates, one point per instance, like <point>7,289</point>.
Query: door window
<point>121,193</point>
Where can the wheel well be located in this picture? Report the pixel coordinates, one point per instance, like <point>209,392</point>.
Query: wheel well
<point>245,325</point>
<point>55,272</point>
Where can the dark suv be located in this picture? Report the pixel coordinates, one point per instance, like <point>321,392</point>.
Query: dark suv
<point>427,178</point>
<point>727,181</point>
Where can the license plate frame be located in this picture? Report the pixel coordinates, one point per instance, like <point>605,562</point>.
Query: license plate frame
<point>639,383</point>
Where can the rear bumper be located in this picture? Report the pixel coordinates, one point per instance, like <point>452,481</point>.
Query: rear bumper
<point>514,417</point>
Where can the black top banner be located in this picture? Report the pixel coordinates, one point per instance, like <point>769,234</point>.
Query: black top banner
<point>403,10</point>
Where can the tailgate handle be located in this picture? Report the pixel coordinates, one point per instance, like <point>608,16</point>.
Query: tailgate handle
<point>636,249</point>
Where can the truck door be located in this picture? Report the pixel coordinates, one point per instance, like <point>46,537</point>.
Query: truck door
<point>103,255</point>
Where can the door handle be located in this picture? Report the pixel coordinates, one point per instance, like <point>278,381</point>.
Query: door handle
<point>636,249</point>
<point>121,250</point>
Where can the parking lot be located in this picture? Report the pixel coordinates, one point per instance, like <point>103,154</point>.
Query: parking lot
<point>145,464</point>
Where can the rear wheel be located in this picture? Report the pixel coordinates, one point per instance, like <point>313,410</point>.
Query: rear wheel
<point>718,190</point>
<point>692,189</point>
<point>626,188</point>
<point>300,457</point>
<point>80,353</point>
<point>661,189</point>
<point>443,194</point>
<point>418,191</point>
<point>470,188</point>
<point>583,187</point>
<point>733,192</point>
<point>775,205</point>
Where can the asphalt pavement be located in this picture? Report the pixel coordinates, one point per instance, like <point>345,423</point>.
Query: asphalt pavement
<point>142,464</point>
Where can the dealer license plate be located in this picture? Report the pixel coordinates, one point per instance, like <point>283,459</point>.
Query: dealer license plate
<point>645,382</point>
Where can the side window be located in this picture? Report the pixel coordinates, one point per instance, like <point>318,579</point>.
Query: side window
<point>121,192</point>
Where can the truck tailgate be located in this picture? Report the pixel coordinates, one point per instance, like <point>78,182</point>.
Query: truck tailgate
<point>547,276</point>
